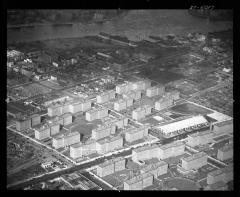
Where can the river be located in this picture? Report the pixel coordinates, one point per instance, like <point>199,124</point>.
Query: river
<point>136,25</point>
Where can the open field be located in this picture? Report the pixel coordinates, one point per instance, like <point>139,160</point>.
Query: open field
<point>31,171</point>
<point>191,109</point>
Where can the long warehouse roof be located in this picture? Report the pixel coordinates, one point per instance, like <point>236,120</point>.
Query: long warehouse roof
<point>182,124</point>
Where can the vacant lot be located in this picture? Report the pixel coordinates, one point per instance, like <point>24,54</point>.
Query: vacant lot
<point>191,109</point>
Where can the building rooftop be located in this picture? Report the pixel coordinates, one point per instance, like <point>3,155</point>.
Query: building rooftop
<point>106,163</point>
<point>173,144</point>
<point>195,156</point>
<point>145,148</point>
<point>201,133</point>
<point>217,185</point>
<point>77,145</point>
<point>154,166</point>
<point>223,123</point>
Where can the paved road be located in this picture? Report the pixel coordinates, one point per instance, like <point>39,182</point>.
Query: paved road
<point>93,163</point>
<point>80,167</point>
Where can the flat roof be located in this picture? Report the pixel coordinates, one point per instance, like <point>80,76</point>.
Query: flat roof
<point>201,133</point>
<point>195,156</point>
<point>138,178</point>
<point>182,124</point>
<point>144,148</point>
<point>227,122</point>
<point>77,145</point>
<point>154,166</point>
<point>173,144</point>
<point>217,185</point>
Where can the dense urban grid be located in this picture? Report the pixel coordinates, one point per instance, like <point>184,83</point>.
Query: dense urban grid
<point>103,112</point>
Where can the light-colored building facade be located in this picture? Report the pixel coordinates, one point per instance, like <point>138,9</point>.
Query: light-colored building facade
<point>200,138</point>
<point>226,152</point>
<point>144,153</point>
<point>173,149</point>
<point>42,132</point>
<point>194,161</point>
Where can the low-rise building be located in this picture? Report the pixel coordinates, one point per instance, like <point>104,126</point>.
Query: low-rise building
<point>194,161</point>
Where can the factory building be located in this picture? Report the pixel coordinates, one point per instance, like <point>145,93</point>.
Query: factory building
<point>64,140</point>
<point>42,132</point>
<point>171,150</point>
<point>96,114</point>
<point>80,149</point>
<point>194,161</point>
<point>224,174</point>
<point>111,166</point>
<point>35,119</point>
<point>156,169</point>
<point>200,138</point>
<point>54,128</point>
<point>154,91</point>
<point>101,132</point>
<point>67,119</point>
<point>132,135</point>
<point>119,105</point>
<point>23,124</point>
<point>139,182</point>
<point>141,112</point>
<point>163,103</point>
<point>144,153</point>
<point>223,127</point>
<point>225,152</point>
<point>174,127</point>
